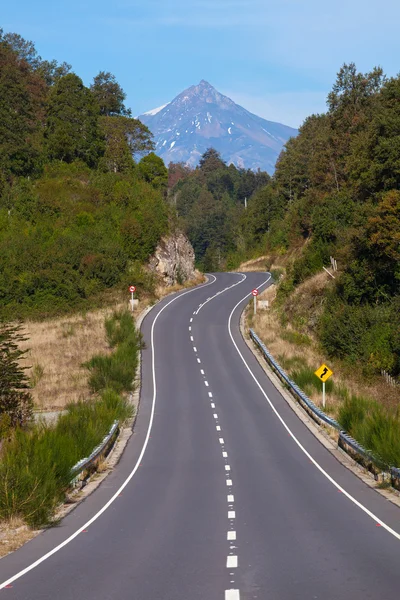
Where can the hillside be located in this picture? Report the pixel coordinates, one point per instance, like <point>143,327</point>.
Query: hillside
<point>79,213</point>
<point>200,117</point>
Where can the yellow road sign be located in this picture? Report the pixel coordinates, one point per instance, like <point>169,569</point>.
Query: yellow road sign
<point>323,373</point>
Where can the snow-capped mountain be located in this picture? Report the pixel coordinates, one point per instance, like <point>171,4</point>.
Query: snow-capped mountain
<point>201,117</point>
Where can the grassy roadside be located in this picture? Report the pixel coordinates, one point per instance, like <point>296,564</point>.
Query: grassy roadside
<point>367,408</point>
<point>36,463</point>
<point>59,347</point>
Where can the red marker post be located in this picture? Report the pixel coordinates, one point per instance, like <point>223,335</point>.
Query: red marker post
<point>132,290</point>
<point>255,294</point>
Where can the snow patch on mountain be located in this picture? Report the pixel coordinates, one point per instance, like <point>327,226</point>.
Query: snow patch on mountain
<point>155,111</point>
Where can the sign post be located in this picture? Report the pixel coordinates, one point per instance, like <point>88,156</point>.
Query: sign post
<point>132,290</point>
<point>255,294</point>
<point>323,373</point>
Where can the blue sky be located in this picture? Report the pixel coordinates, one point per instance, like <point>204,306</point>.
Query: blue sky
<point>278,58</point>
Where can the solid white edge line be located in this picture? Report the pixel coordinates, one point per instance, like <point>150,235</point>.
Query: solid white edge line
<point>315,463</point>
<point>132,473</point>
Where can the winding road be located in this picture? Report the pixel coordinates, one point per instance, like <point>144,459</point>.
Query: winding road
<point>222,492</point>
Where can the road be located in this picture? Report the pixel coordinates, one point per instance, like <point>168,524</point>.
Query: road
<point>222,492</point>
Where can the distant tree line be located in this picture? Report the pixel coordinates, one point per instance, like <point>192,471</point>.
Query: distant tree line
<point>210,202</point>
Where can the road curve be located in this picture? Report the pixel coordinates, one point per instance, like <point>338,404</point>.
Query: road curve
<point>222,493</point>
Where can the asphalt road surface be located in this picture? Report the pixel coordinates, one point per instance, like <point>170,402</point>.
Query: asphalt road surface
<point>222,493</point>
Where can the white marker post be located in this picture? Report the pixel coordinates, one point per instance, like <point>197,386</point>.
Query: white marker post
<point>323,394</point>
<point>132,290</point>
<point>255,294</point>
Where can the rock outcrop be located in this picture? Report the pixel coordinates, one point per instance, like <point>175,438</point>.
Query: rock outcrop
<point>173,260</point>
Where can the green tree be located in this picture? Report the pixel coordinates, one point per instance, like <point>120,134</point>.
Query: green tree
<point>211,161</point>
<point>73,131</point>
<point>109,95</point>
<point>153,170</point>
<point>22,95</point>
<point>16,403</point>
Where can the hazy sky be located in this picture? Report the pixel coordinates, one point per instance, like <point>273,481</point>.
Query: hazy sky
<point>278,58</point>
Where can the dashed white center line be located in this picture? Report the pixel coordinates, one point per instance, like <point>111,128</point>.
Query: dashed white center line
<point>232,562</point>
<point>232,558</point>
<point>232,595</point>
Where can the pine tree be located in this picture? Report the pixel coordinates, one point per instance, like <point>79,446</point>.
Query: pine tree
<point>15,399</point>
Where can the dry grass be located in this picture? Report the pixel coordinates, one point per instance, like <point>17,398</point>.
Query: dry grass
<point>162,291</point>
<point>13,535</point>
<point>255,264</point>
<point>57,349</point>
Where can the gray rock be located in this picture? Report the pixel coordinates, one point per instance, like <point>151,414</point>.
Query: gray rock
<point>173,259</point>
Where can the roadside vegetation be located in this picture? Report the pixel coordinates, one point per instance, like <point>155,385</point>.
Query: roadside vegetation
<point>366,407</point>
<point>36,459</point>
<point>82,195</point>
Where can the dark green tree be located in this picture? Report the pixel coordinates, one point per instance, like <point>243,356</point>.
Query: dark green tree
<point>16,403</point>
<point>73,130</point>
<point>211,161</point>
<point>22,95</point>
<point>153,170</point>
<point>109,95</point>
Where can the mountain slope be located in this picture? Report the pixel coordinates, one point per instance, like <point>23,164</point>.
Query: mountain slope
<point>201,117</point>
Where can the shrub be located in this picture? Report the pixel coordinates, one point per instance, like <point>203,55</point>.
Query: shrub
<point>35,470</point>
<point>116,371</point>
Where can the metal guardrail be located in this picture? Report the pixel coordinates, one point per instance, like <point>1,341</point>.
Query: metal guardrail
<point>311,408</point>
<point>88,464</point>
<point>346,442</point>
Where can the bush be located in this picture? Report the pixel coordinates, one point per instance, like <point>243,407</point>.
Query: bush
<point>116,371</point>
<point>35,470</point>
<point>373,426</point>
